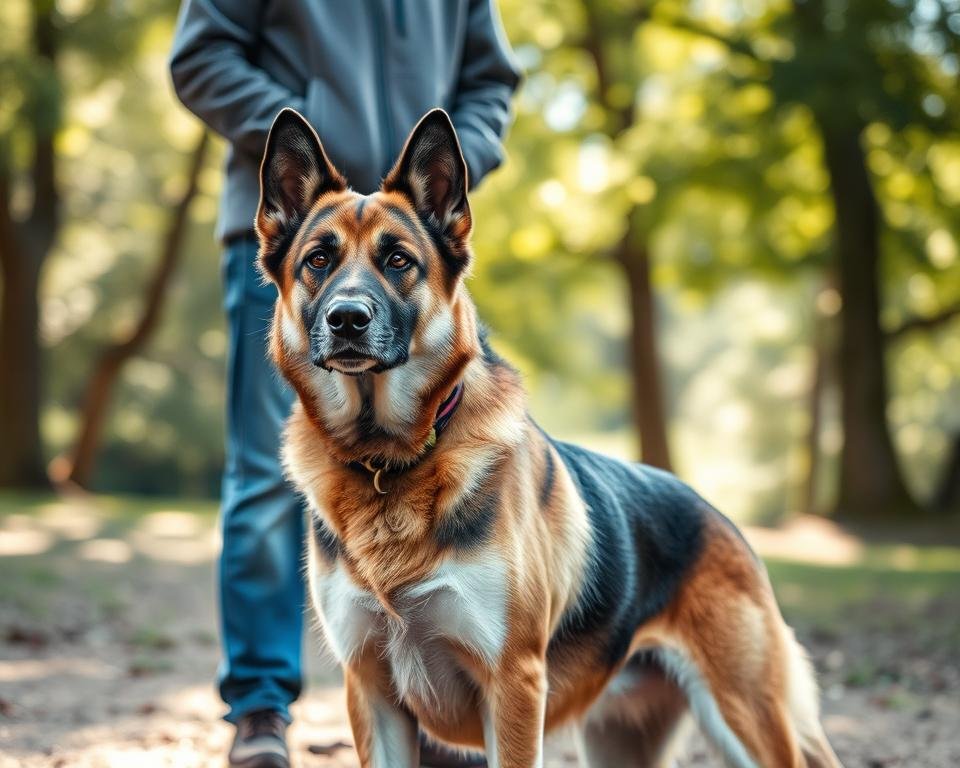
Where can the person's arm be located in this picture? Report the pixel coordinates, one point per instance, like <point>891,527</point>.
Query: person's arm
<point>213,75</point>
<point>488,78</point>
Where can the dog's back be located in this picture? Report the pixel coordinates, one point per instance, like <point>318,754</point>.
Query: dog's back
<point>647,530</point>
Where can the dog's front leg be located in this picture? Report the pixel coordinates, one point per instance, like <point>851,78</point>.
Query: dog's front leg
<point>514,712</point>
<point>384,732</point>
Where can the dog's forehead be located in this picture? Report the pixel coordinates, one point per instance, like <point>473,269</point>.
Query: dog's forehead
<point>357,220</point>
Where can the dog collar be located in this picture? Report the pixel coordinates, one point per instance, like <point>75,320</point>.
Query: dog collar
<point>444,413</point>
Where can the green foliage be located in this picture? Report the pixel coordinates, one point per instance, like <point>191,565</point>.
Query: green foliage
<point>701,121</point>
<point>699,125</point>
<point>122,148</point>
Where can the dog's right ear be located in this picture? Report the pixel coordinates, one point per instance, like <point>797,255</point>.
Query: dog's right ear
<point>295,171</point>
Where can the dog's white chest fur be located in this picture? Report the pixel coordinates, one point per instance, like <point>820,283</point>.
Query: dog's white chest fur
<point>463,601</point>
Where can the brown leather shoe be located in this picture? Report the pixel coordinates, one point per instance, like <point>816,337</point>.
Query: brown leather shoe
<point>261,741</point>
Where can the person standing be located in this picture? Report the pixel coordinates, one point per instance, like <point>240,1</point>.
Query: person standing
<point>362,72</point>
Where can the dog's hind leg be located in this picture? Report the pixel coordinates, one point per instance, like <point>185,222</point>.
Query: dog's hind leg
<point>745,725</point>
<point>759,709</point>
<point>723,641</point>
<point>636,723</point>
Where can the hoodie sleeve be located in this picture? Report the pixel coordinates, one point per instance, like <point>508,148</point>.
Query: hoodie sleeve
<point>213,74</point>
<point>488,78</point>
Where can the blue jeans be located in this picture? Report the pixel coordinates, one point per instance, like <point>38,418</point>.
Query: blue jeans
<point>261,583</point>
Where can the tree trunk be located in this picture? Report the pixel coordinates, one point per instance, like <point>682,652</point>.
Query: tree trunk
<point>818,375</point>
<point>21,458</point>
<point>647,396</point>
<point>946,497</point>
<point>24,247</point>
<point>871,483</point>
<point>82,461</point>
<point>649,413</point>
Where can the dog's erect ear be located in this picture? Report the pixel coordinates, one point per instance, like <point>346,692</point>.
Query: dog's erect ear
<point>294,173</point>
<point>431,171</point>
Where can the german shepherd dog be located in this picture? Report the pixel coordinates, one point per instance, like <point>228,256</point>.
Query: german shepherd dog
<point>477,580</point>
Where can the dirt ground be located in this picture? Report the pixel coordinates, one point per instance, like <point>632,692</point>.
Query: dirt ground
<point>108,641</point>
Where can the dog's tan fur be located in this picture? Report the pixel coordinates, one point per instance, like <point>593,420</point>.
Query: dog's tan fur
<point>722,623</point>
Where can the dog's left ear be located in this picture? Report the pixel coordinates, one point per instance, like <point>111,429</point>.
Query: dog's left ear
<point>431,171</point>
<point>295,171</point>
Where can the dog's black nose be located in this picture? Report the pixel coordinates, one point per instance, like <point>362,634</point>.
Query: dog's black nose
<point>349,318</point>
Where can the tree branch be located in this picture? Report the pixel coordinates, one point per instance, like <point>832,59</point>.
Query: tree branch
<point>737,45</point>
<point>927,323</point>
<point>79,466</point>
<point>172,245</point>
<point>592,43</point>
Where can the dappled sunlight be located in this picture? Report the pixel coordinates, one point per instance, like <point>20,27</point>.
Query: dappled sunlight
<point>73,520</point>
<point>162,734</point>
<point>320,719</point>
<point>904,558</point>
<point>114,551</point>
<point>62,667</point>
<point>726,480</point>
<point>182,754</point>
<point>807,539</point>
<point>198,549</point>
<point>196,702</point>
<point>323,706</point>
<point>172,524</point>
<point>182,728</point>
<point>21,535</point>
<point>621,445</point>
<point>737,418</point>
<point>593,170</point>
<point>24,542</point>
<point>130,678</point>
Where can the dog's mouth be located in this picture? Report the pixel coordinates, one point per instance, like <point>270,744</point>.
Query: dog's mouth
<point>351,364</point>
<point>355,361</point>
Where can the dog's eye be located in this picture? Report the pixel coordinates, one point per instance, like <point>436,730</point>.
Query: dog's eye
<point>319,259</point>
<point>398,260</point>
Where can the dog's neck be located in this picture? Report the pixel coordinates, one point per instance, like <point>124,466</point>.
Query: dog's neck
<point>387,418</point>
<point>394,418</point>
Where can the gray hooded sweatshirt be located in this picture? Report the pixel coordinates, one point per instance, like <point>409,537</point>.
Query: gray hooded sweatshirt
<point>361,71</point>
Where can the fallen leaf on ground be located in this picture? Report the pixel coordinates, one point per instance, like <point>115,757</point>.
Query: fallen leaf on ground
<point>327,749</point>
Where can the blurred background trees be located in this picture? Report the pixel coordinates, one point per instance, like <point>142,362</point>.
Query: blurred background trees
<point>725,241</point>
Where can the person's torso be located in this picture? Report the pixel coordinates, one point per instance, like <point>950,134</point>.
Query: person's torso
<point>366,69</point>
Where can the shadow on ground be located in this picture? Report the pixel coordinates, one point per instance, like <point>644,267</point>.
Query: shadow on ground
<point>108,641</point>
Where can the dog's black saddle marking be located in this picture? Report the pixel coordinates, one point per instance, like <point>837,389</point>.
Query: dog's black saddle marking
<point>647,531</point>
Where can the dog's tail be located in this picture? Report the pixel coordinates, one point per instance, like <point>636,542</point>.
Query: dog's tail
<point>804,706</point>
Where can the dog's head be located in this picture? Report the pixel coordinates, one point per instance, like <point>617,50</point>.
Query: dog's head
<point>367,284</point>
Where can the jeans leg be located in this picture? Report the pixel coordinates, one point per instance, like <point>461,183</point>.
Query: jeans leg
<point>260,579</point>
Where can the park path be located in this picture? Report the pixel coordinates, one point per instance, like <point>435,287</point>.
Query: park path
<point>108,649</point>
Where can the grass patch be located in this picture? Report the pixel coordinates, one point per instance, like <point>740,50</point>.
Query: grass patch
<point>152,639</point>
<point>878,594</point>
<point>26,586</point>
<point>118,508</point>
